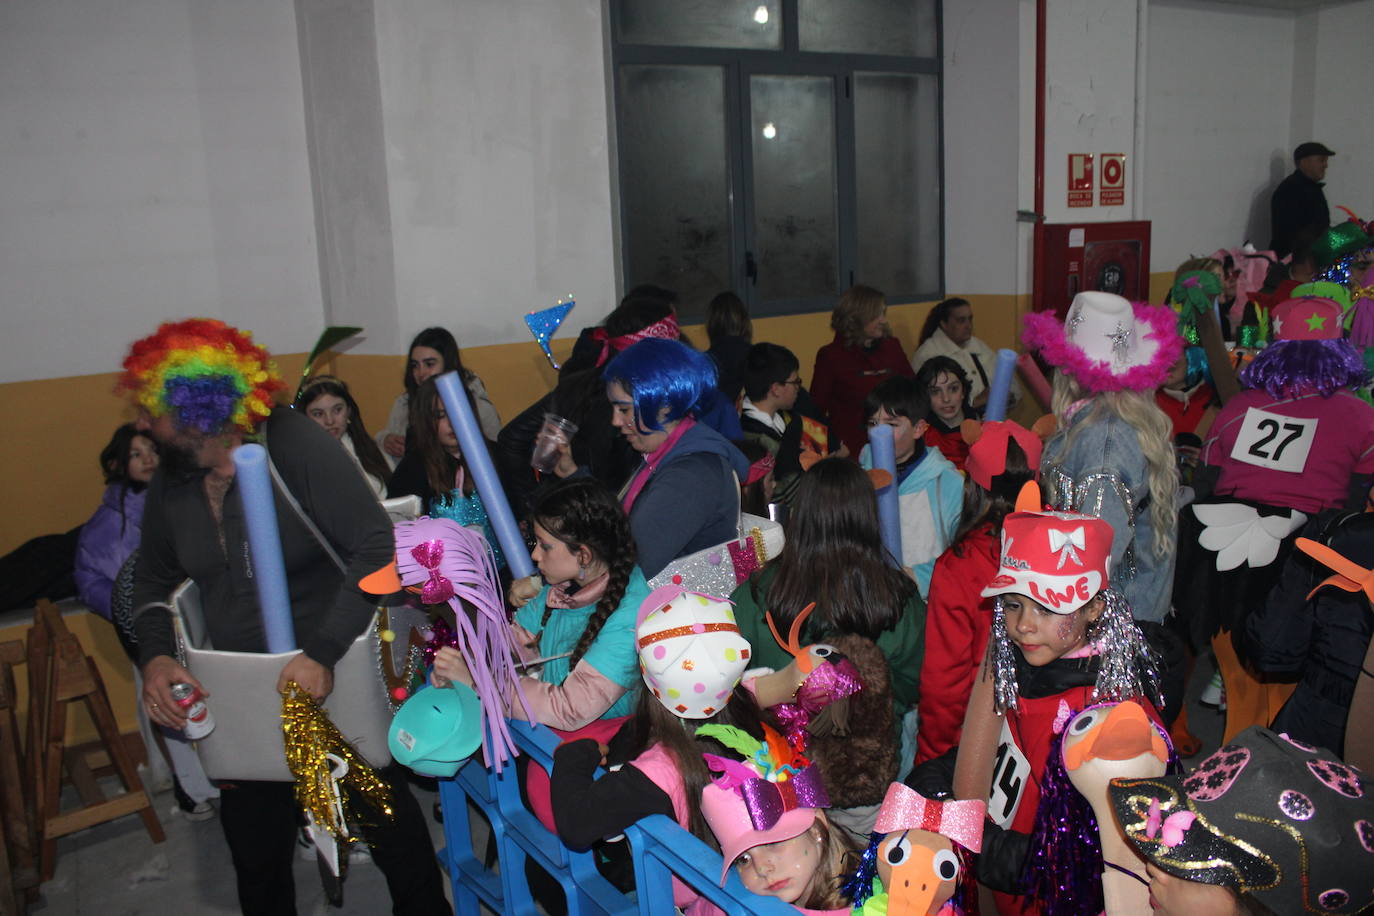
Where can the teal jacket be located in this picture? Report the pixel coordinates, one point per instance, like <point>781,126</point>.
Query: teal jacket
<point>612,653</point>
<point>930,498</point>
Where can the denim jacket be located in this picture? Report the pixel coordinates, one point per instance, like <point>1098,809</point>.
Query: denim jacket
<point>1105,474</point>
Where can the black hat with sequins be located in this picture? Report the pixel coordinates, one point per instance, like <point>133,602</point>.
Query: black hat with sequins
<point>1266,815</point>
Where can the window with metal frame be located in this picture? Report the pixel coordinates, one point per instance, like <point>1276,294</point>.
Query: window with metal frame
<point>783,149</point>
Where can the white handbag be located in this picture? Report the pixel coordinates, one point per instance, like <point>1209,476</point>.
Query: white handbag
<point>247,741</point>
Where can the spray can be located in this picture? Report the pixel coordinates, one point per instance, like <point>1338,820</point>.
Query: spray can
<point>199,722</point>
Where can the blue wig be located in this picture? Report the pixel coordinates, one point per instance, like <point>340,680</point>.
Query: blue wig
<point>1290,368</point>
<point>661,374</point>
<point>1198,370</point>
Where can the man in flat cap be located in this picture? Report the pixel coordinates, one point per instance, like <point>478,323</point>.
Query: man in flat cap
<point>1298,208</point>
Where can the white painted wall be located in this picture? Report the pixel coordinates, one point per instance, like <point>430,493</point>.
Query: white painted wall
<point>1217,115</point>
<point>157,164</point>
<point>1340,115</point>
<point>154,167</point>
<point>498,163</point>
<point>982,145</point>
<point>1090,52</point>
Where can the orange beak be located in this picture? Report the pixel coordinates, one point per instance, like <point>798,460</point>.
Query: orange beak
<point>914,884</point>
<point>384,581</point>
<point>1125,734</point>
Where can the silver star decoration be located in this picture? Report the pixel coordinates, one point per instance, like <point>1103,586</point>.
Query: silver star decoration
<point>1121,341</point>
<point>1075,320</point>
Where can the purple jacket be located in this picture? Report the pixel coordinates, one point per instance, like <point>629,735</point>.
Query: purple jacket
<point>105,543</point>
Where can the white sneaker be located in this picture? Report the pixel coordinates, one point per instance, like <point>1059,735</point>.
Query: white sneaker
<point>203,811</point>
<point>1213,695</point>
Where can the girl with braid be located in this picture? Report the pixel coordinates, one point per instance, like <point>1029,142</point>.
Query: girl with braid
<point>581,623</point>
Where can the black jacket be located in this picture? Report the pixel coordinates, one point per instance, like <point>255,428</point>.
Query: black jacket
<point>180,540</point>
<point>597,446</point>
<point>1298,204</point>
<point>1323,641</point>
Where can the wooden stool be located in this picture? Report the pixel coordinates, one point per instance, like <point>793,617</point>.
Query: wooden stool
<point>60,673</point>
<point>18,874</point>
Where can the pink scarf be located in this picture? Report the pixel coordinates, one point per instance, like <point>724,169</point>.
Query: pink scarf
<point>653,460</point>
<point>590,593</point>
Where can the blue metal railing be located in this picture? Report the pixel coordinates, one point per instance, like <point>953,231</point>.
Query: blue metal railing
<point>661,850</point>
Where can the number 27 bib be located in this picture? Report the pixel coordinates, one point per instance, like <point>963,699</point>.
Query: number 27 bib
<point>1273,441</point>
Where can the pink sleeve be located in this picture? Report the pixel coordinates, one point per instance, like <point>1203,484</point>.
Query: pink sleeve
<point>523,640</point>
<point>582,698</point>
<point>657,764</point>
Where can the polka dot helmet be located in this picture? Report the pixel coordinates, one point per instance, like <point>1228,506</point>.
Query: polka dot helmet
<point>691,652</point>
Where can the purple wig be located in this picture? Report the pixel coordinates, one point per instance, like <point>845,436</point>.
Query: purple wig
<point>1063,865</point>
<point>1291,368</point>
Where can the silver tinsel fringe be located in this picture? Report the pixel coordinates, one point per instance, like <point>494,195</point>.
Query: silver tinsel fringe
<point>1004,688</point>
<point>1128,665</point>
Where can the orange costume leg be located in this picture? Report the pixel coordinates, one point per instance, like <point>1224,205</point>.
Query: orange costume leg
<point>1249,701</point>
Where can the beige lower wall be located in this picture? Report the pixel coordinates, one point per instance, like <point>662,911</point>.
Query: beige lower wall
<point>50,464</point>
<point>58,426</point>
<point>98,638</point>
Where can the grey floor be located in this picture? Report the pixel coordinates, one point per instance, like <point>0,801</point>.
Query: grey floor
<point>115,870</point>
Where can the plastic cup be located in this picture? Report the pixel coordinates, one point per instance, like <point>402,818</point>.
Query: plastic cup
<point>555,433</point>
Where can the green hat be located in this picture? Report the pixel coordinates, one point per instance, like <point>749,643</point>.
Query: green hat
<point>437,730</point>
<point>1323,289</point>
<point>1338,241</point>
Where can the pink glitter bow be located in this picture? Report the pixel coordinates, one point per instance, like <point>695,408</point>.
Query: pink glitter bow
<point>437,589</point>
<point>906,809</point>
<point>833,680</point>
<point>469,583</point>
<point>767,801</point>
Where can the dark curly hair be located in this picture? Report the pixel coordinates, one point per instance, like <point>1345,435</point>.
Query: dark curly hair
<point>582,512</point>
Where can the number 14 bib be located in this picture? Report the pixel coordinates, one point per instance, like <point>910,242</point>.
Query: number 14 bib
<point>1271,440</point>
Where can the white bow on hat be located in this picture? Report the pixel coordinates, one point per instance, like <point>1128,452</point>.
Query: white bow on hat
<point>1065,542</point>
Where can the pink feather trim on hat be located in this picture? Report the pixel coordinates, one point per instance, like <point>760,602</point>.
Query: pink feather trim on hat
<point>1045,333</point>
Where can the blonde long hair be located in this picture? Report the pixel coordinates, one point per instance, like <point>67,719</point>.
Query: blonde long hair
<point>839,856</point>
<point>1154,433</point>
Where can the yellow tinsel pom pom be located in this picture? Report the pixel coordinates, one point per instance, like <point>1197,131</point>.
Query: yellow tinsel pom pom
<point>310,739</point>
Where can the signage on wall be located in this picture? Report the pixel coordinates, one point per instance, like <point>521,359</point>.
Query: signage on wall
<point>1080,179</point>
<point>1113,184</point>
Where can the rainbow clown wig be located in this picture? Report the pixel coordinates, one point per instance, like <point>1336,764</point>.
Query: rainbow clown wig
<point>208,376</point>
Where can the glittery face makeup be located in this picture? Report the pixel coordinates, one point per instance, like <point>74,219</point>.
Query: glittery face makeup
<point>1040,634</point>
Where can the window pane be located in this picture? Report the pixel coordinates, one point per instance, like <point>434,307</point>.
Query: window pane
<point>701,23</point>
<point>897,145</point>
<point>673,181</point>
<point>905,27</point>
<point>793,141</point>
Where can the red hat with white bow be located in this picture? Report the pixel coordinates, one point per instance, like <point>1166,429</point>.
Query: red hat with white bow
<point>1060,560</point>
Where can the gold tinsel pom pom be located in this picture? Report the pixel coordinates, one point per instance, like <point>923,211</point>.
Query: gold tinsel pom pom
<point>310,739</point>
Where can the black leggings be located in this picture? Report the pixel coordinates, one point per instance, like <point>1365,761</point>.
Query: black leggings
<point>261,821</point>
